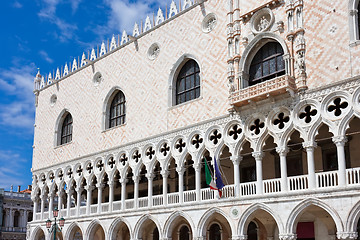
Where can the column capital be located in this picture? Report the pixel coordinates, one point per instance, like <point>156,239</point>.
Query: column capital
<point>258,155</point>
<point>136,179</point>
<point>149,176</point>
<point>236,159</point>
<point>340,141</point>
<point>110,183</point>
<point>347,235</point>
<point>309,144</point>
<point>180,170</point>
<point>287,236</point>
<point>122,180</point>
<point>89,188</point>
<point>164,173</point>
<point>100,185</point>
<point>282,150</point>
<point>243,237</point>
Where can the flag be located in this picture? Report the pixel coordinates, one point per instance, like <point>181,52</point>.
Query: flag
<point>218,179</point>
<point>208,177</point>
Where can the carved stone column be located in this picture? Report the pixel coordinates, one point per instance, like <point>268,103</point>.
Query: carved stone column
<point>259,176</point>
<point>283,151</point>
<point>347,235</point>
<point>181,172</point>
<point>198,182</point>
<point>340,142</point>
<point>88,198</point>
<point>165,175</point>
<point>136,191</point>
<point>78,200</point>
<point>123,193</point>
<point>150,178</point>
<point>236,161</point>
<point>100,188</point>
<point>51,204</point>
<point>43,198</point>
<point>310,148</point>
<point>60,202</point>
<point>287,236</point>
<point>111,195</point>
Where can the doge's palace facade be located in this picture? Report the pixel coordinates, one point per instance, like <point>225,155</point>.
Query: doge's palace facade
<point>267,88</point>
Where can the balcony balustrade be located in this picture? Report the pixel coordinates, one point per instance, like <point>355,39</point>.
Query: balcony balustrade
<point>260,91</point>
<point>324,180</point>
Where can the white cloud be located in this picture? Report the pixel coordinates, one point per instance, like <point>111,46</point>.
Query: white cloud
<point>124,13</point>
<point>16,4</point>
<point>45,56</point>
<point>12,169</point>
<point>49,13</point>
<point>18,83</point>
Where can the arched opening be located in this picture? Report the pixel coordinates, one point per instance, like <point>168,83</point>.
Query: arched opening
<point>3,218</point>
<point>179,229</point>
<point>217,227</point>
<point>314,223</point>
<point>269,159</point>
<point>76,234</point>
<point>143,182</point>
<point>353,137</point>
<point>215,232</point>
<point>261,225</point>
<point>252,231</point>
<point>117,187</point>
<point>226,166</point>
<point>149,231</point>
<point>117,110</point>
<point>325,153</point>
<point>247,165</point>
<point>121,232</point>
<point>296,157</point>
<point>83,194</point>
<point>157,180</point>
<point>173,177</point>
<point>40,235</point>
<point>94,192</point>
<point>105,189</point>
<point>267,63</point>
<point>189,174</point>
<point>358,229</point>
<point>188,82</point>
<point>97,233</point>
<point>17,219</point>
<point>65,129</point>
<point>129,184</point>
<point>30,217</point>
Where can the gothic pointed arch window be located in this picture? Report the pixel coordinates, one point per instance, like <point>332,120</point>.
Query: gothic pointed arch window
<point>188,82</point>
<point>267,63</point>
<point>354,20</point>
<point>66,129</point>
<point>117,110</point>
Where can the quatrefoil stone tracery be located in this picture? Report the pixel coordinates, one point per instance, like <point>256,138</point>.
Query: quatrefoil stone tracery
<point>150,152</point>
<point>257,126</point>
<point>180,145</point>
<point>281,120</point>
<point>197,141</point>
<point>111,162</point>
<point>165,149</point>
<point>308,114</point>
<point>136,156</point>
<point>215,137</point>
<point>338,106</point>
<point>235,131</point>
<point>123,159</point>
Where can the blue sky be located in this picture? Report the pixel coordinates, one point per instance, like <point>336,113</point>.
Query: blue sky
<point>45,34</point>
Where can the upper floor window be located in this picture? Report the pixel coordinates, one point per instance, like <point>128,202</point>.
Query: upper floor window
<point>117,110</point>
<point>188,82</point>
<point>66,130</point>
<point>354,20</point>
<point>267,63</point>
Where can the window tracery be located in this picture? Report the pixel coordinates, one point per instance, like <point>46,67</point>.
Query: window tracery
<point>188,82</point>
<point>117,112</point>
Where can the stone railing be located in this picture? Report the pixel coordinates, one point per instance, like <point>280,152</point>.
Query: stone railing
<point>260,91</point>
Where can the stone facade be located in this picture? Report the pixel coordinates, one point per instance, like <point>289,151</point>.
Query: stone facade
<point>16,212</point>
<point>287,146</point>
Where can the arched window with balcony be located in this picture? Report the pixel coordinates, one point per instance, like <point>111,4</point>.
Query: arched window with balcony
<point>267,63</point>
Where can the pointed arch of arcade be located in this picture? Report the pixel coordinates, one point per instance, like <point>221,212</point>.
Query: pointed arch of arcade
<point>299,209</point>
<point>71,228</point>
<point>353,218</point>
<point>115,224</point>
<point>141,221</point>
<point>169,224</point>
<point>92,227</point>
<point>205,220</point>
<point>244,219</point>
<point>36,232</point>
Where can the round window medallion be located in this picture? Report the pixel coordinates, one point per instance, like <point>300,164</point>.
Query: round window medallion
<point>53,100</point>
<point>209,23</point>
<point>153,51</point>
<point>262,20</point>
<point>97,78</point>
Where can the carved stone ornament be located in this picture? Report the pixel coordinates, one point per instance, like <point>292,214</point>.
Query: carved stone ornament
<point>235,212</point>
<point>262,21</point>
<point>53,100</point>
<point>209,23</point>
<point>97,78</point>
<point>154,51</point>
